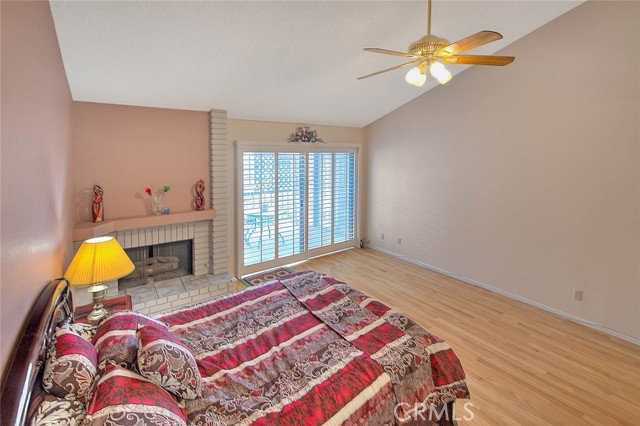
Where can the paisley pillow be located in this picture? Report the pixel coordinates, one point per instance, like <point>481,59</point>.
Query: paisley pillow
<point>54,411</point>
<point>115,337</point>
<point>165,360</point>
<point>86,331</point>
<point>125,398</point>
<point>71,365</point>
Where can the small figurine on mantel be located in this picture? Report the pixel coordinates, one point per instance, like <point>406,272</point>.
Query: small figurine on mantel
<point>97,209</point>
<point>199,201</point>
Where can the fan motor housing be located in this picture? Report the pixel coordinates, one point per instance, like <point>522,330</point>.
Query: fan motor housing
<point>427,45</point>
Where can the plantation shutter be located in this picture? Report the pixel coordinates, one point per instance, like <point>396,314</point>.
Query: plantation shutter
<point>295,204</point>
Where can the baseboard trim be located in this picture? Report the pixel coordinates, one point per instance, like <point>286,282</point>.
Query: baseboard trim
<point>570,317</point>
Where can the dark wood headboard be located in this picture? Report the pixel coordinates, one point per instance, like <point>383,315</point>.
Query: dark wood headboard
<point>52,308</point>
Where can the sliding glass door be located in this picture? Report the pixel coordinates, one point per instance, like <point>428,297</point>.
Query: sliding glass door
<point>331,200</point>
<point>294,204</point>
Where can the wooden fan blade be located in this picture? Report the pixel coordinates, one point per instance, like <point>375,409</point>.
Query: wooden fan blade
<point>471,42</point>
<point>478,60</point>
<point>389,69</point>
<point>390,52</point>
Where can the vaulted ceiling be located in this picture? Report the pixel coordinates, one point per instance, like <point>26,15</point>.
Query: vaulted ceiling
<point>291,61</point>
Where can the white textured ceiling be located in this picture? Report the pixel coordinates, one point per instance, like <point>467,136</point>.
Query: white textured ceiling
<point>292,61</point>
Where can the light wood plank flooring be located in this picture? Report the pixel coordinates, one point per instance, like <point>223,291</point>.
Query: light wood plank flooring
<point>524,366</point>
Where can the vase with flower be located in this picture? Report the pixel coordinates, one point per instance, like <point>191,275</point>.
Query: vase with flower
<point>157,199</point>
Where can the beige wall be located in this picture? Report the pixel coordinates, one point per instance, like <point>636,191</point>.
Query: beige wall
<point>526,178</point>
<point>270,132</point>
<point>125,149</point>
<point>36,140</point>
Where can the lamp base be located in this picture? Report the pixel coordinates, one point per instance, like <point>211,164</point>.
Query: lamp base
<point>97,314</point>
<point>97,294</point>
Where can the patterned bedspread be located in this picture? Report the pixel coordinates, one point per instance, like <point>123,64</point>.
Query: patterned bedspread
<point>309,350</point>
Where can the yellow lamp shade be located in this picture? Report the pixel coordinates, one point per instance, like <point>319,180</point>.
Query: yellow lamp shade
<point>98,260</point>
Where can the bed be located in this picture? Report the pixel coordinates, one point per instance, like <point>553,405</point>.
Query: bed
<point>306,349</point>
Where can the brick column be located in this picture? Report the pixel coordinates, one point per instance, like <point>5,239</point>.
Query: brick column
<point>219,197</point>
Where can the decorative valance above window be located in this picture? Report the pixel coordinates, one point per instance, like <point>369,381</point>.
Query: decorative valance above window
<point>305,135</point>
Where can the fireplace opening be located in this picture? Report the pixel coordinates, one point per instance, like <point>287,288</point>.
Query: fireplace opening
<point>158,262</point>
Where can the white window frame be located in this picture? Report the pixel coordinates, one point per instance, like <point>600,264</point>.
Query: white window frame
<point>284,147</point>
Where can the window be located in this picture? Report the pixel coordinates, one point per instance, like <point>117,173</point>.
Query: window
<point>294,205</point>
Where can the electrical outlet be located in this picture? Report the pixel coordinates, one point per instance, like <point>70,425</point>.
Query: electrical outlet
<point>577,294</point>
<point>399,241</point>
<point>382,236</point>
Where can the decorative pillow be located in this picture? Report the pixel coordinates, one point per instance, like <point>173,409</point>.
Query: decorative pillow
<point>70,370</point>
<point>125,398</point>
<point>116,340</point>
<point>165,360</point>
<point>86,331</point>
<point>54,411</point>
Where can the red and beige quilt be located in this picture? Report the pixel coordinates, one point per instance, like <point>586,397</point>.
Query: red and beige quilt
<point>310,350</point>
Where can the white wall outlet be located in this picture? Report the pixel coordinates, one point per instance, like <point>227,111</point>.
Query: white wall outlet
<point>382,236</point>
<point>577,294</point>
<point>399,241</point>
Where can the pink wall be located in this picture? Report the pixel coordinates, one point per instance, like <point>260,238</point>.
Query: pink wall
<point>36,217</point>
<point>124,149</point>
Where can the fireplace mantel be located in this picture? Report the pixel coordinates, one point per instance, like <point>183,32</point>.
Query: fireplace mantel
<point>86,230</point>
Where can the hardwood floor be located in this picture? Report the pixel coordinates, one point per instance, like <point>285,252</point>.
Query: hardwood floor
<point>524,366</point>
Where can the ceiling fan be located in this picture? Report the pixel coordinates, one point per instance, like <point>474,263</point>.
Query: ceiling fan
<point>433,51</point>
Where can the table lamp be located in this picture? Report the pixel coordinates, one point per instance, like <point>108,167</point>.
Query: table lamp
<point>98,260</point>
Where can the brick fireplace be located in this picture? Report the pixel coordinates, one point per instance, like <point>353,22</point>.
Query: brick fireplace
<point>158,262</point>
<point>157,231</point>
<point>206,230</point>
<point>199,233</point>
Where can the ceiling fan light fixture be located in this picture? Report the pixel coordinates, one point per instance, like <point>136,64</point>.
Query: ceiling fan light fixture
<point>440,72</point>
<point>432,51</point>
<point>416,77</point>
